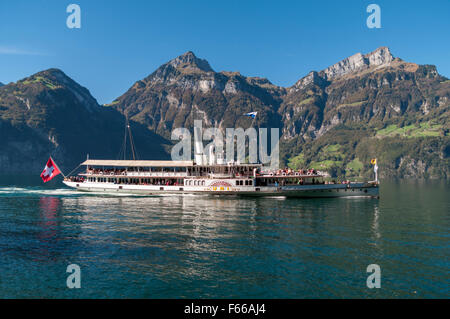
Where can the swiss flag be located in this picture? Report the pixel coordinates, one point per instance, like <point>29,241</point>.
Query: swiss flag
<point>50,171</point>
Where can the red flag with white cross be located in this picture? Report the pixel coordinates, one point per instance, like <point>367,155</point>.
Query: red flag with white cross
<point>51,170</point>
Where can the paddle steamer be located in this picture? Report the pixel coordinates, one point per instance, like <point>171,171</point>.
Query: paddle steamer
<point>175,177</point>
<point>207,175</point>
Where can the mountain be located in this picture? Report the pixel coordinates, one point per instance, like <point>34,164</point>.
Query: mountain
<point>372,105</point>
<point>330,119</point>
<point>50,114</point>
<point>1,84</point>
<point>336,119</point>
<point>187,88</point>
<point>373,89</point>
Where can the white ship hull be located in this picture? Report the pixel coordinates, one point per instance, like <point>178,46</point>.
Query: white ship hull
<point>306,191</point>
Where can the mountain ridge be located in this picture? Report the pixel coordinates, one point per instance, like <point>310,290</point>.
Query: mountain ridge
<point>335,119</point>
<point>48,113</point>
<point>370,90</point>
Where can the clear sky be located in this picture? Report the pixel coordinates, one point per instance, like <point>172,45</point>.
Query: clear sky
<point>121,42</point>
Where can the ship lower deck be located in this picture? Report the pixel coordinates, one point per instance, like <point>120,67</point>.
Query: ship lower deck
<point>305,191</point>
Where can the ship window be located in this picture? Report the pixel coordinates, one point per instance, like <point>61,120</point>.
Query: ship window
<point>246,183</point>
<point>203,183</point>
<point>250,183</point>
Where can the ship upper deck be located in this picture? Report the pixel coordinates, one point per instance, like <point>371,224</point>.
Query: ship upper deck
<point>187,169</point>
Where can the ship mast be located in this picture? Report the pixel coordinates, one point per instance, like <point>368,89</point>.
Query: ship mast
<point>127,135</point>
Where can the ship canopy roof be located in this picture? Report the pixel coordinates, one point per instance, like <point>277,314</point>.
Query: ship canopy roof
<point>148,163</point>
<point>143,163</point>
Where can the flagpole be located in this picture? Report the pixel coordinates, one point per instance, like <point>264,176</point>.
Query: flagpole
<point>57,167</point>
<point>376,171</point>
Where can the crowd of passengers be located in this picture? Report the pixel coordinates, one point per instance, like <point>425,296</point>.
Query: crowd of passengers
<point>145,181</point>
<point>123,171</point>
<point>291,172</point>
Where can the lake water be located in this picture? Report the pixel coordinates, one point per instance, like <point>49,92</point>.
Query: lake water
<point>224,247</point>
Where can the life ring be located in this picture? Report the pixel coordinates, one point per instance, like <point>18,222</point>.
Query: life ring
<point>297,174</point>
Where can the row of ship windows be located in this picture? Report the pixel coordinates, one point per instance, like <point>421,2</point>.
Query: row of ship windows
<point>195,183</point>
<point>247,182</point>
<point>149,181</point>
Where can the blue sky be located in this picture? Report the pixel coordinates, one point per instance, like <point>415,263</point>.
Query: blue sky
<point>121,42</point>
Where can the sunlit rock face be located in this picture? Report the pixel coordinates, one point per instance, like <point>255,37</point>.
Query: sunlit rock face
<point>367,89</point>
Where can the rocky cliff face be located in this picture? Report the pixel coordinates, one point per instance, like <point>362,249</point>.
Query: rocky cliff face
<point>50,114</point>
<point>357,63</point>
<point>369,89</point>
<point>372,105</point>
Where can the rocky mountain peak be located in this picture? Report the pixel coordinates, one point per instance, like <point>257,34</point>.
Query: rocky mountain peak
<point>313,77</point>
<point>54,80</point>
<point>188,61</point>
<point>1,84</point>
<point>55,75</point>
<point>358,62</point>
<point>380,56</point>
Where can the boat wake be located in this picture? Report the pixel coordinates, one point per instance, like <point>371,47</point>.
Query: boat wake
<point>58,192</point>
<point>33,191</point>
<point>67,192</point>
